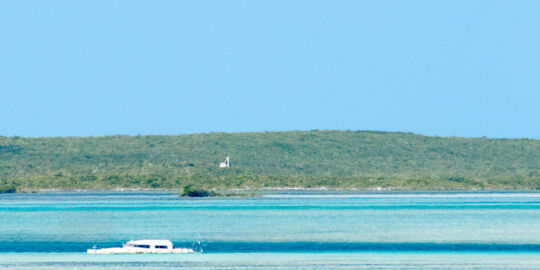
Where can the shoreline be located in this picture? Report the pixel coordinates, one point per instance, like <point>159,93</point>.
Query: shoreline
<point>274,190</point>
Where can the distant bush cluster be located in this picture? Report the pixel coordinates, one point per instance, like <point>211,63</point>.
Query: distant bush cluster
<point>6,187</point>
<point>190,191</point>
<point>333,159</point>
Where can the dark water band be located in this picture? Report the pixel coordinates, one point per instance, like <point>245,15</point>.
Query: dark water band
<point>238,246</point>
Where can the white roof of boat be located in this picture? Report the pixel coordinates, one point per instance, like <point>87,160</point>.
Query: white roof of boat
<point>158,242</point>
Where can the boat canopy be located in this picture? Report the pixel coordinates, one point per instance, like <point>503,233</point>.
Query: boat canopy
<point>160,244</point>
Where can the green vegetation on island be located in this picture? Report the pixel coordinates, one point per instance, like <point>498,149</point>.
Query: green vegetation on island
<point>190,191</point>
<point>7,187</point>
<point>305,159</point>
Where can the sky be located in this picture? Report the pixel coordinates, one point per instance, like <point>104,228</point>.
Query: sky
<point>442,68</point>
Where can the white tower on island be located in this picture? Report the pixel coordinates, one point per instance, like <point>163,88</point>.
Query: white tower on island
<point>225,164</point>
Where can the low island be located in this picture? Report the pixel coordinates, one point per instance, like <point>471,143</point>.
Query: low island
<point>327,159</point>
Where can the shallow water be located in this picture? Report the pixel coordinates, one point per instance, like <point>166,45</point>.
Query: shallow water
<point>273,260</point>
<point>295,230</point>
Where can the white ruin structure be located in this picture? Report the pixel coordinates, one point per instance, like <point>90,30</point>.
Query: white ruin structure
<point>225,164</point>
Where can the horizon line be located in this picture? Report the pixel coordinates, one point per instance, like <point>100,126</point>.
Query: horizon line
<point>272,131</point>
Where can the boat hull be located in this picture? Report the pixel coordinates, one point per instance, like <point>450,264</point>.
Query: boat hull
<point>138,251</point>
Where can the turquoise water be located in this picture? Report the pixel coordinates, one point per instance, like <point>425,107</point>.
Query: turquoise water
<point>289,230</point>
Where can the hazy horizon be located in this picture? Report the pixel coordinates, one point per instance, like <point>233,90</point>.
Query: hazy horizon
<point>270,131</point>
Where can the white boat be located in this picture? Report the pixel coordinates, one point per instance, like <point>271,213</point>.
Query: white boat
<point>142,246</point>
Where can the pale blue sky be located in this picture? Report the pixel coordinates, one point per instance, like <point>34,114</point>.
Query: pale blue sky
<point>446,68</point>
